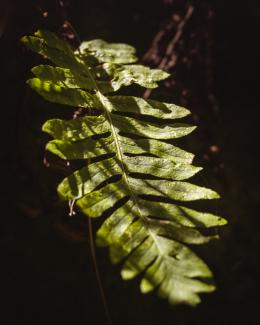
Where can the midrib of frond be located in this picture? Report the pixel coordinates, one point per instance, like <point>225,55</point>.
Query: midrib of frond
<point>108,107</point>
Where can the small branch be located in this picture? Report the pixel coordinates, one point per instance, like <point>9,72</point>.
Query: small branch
<point>170,58</point>
<point>171,46</point>
<point>97,273</point>
<point>152,52</point>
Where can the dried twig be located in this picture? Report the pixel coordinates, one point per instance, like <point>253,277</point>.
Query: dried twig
<point>170,57</point>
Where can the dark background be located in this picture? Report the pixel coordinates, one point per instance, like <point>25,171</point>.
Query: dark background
<point>47,273</point>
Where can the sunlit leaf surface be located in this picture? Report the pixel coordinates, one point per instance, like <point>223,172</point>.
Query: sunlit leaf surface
<point>138,180</point>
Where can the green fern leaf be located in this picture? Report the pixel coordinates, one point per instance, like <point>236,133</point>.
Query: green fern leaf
<point>108,52</point>
<point>137,179</point>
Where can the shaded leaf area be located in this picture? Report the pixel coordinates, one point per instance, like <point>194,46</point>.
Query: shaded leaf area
<point>135,170</point>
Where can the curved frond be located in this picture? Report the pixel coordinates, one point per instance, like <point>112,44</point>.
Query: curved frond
<point>138,180</point>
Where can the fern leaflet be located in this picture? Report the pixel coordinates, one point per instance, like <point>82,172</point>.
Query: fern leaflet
<point>136,170</point>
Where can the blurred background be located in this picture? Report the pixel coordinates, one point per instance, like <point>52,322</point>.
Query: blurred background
<point>211,49</point>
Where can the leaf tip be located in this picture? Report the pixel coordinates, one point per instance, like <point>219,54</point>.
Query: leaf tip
<point>146,286</point>
<point>24,39</point>
<point>165,75</point>
<point>38,33</point>
<point>215,195</point>
<point>222,221</point>
<point>198,169</point>
<point>30,83</point>
<point>35,69</point>
<point>127,274</point>
<point>45,127</point>
<point>34,83</point>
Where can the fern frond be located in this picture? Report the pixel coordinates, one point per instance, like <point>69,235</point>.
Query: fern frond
<point>139,179</point>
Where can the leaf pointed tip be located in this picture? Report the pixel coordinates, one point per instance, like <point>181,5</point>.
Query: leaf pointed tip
<point>215,195</point>
<point>211,195</point>
<point>30,83</point>
<point>165,75</point>
<point>35,69</point>
<point>127,274</point>
<point>24,39</point>
<point>198,169</point>
<point>38,33</point>
<point>45,127</point>
<point>146,286</point>
<point>222,222</point>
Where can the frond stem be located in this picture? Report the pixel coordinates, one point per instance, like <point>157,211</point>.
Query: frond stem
<point>108,107</point>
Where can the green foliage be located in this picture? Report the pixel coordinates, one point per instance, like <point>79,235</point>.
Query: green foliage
<point>133,177</point>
